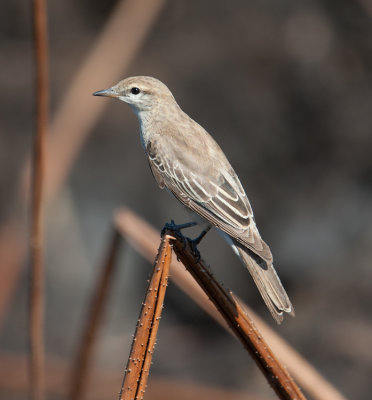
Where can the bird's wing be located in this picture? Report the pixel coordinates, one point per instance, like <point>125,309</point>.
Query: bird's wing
<point>220,200</point>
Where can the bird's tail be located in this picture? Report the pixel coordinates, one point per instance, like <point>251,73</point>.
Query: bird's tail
<point>267,282</point>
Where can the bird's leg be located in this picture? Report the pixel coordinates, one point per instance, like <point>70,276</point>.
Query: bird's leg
<point>194,242</point>
<point>198,239</point>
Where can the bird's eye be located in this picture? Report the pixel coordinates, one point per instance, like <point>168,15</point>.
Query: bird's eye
<point>134,90</point>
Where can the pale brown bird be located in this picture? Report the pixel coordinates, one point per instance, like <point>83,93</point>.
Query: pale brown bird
<point>187,161</point>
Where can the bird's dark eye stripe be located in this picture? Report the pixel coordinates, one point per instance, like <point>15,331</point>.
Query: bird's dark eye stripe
<point>135,90</point>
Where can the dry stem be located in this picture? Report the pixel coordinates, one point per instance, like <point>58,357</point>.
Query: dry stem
<point>139,361</point>
<point>238,320</point>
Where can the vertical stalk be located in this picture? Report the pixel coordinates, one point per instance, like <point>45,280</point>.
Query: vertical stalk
<point>82,367</point>
<point>37,370</point>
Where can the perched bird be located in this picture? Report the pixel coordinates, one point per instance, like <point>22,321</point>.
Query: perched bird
<point>188,162</point>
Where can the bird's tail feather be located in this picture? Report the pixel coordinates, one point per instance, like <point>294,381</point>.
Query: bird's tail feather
<point>267,282</point>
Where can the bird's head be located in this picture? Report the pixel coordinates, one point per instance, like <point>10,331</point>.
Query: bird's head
<point>142,93</point>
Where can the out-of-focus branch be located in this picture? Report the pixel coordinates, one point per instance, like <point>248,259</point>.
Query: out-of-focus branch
<point>115,48</point>
<point>13,245</point>
<point>367,6</point>
<point>100,293</point>
<point>36,327</point>
<point>143,238</point>
<point>139,361</point>
<point>103,383</point>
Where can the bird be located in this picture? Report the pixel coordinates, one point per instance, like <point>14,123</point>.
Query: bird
<point>188,162</point>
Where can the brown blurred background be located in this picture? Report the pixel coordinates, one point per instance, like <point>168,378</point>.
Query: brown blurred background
<point>286,89</point>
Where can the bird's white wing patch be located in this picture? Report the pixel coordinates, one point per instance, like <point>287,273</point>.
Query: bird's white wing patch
<point>221,201</point>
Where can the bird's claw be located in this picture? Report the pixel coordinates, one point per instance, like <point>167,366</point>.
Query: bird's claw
<point>172,226</point>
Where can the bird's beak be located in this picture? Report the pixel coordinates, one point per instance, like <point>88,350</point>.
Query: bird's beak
<point>107,93</point>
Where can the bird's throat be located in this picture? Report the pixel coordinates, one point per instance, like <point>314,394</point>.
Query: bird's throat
<point>145,129</point>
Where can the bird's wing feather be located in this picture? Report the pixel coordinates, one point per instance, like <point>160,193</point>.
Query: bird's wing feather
<point>156,172</point>
<point>222,200</point>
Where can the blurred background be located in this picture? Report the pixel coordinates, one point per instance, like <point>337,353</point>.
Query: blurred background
<point>286,90</point>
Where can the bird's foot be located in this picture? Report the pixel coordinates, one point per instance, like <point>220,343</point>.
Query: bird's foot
<point>172,226</point>
<point>177,227</point>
